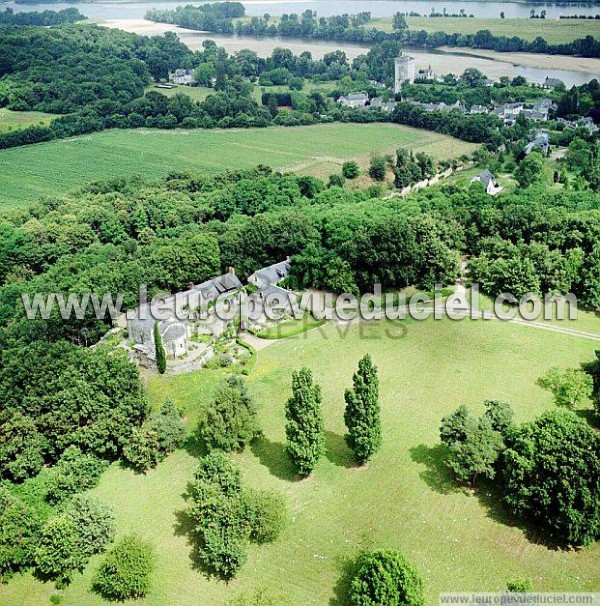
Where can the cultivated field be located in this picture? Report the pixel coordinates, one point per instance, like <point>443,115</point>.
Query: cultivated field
<point>404,499</point>
<point>553,31</point>
<point>10,120</point>
<point>58,166</point>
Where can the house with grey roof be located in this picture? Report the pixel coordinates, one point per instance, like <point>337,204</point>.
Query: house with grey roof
<point>173,315</point>
<point>353,101</point>
<point>552,82</point>
<point>478,109</point>
<point>487,179</point>
<point>183,77</point>
<point>540,143</point>
<point>385,106</point>
<point>273,274</point>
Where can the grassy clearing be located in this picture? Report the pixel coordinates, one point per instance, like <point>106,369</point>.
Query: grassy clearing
<point>196,93</point>
<point>291,328</point>
<point>404,499</point>
<point>553,31</point>
<point>56,167</point>
<point>10,120</point>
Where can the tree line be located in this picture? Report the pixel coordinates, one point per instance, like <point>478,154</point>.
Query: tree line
<point>352,29</point>
<point>44,18</point>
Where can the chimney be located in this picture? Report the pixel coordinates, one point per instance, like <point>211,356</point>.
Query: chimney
<point>231,270</point>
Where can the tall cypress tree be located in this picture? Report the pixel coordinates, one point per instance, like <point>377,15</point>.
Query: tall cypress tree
<point>304,427</point>
<point>362,415</point>
<point>161,356</point>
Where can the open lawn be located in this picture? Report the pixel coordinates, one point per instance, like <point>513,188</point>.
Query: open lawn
<point>196,93</point>
<point>553,31</point>
<point>10,120</point>
<point>404,499</point>
<point>56,167</point>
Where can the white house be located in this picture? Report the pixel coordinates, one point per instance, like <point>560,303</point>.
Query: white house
<point>488,181</point>
<point>359,100</point>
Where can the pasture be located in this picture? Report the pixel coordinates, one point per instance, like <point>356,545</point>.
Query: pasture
<point>10,120</point>
<point>553,31</point>
<point>56,167</point>
<point>405,498</point>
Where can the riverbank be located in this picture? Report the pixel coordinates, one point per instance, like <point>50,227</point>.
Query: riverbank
<point>572,70</point>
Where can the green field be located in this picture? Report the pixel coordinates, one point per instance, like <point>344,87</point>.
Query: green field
<point>196,93</point>
<point>552,30</point>
<point>404,499</point>
<point>10,120</point>
<point>56,167</point>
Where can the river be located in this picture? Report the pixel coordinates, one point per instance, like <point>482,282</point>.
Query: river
<point>325,8</point>
<point>129,16</point>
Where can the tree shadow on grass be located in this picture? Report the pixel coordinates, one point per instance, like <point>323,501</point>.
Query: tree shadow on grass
<point>274,457</point>
<point>337,451</point>
<point>195,447</point>
<point>437,475</point>
<point>347,570</point>
<point>491,498</point>
<point>589,415</point>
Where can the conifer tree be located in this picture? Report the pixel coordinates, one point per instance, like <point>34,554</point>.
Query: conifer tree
<point>362,415</point>
<point>304,427</point>
<point>161,356</point>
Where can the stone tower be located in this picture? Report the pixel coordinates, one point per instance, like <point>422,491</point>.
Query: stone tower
<point>404,70</point>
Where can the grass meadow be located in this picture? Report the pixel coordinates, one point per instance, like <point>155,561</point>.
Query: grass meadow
<point>405,498</point>
<point>553,31</point>
<point>10,120</point>
<point>56,167</point>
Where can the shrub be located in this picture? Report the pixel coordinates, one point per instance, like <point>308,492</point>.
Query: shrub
<point>229,423</point>
<point>159,436</point>
<point>74,472</point>
<point>58,552</point>
<point>266,515</point>
<point>217,468</point>
<point>71,537</point>
<point>125,571</point>
<point>95,523</point>
<point>456,426</point>
<point>226,517</point>
<point>385,578</point>
<point>21,446</point>
<point>223,550</point>
<point>499,414</point>
<point>336,181</point>
<point>519,585</point>
<point>377,168</point>
<point>570,388</point>
<point>477,454</point>
<point>552,476</point>
<point>19,531</point>
<point>350,170</point>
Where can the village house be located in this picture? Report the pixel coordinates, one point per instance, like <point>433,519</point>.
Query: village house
<point>379,103</point>
<point>488,181</point>
<point>541,143</point>
<point>268,291</point>
<point>478,109</point>
<point>423,75</point>
<point>552,82</point>
<point>183,77</point>
<point>173,324</point>
<point>353,101</point>
<point>442,107</point>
